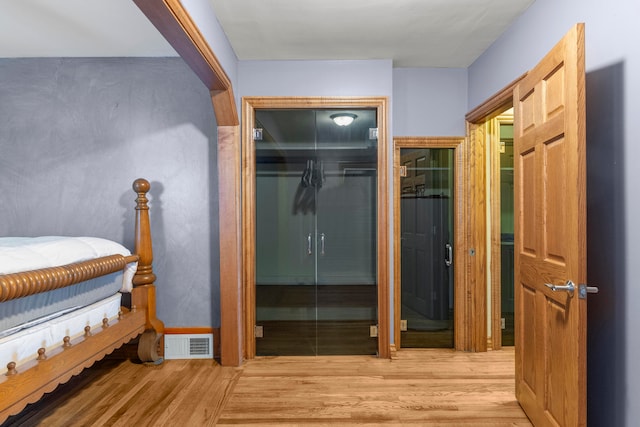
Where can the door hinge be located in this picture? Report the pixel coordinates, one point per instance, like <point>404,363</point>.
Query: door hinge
<point>373,133</point>
<point>373,331</point>
<point>403,171</point>
<point>259,331</point>
<point>403,325</point>
<point>257,134</point>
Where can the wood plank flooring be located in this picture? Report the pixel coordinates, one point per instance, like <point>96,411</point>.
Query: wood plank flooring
<point>428,387</point>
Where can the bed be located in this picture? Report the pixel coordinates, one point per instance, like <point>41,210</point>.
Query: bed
<point>63,310</point>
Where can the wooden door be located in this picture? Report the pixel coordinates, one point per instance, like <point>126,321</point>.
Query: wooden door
<point>550,228</point>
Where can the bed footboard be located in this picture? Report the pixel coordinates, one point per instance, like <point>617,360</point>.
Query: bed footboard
<point>27,383</point>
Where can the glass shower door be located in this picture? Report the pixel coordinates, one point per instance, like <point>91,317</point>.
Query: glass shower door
<point>315,233</point>
<point>426,209</point>
<point>285,237</point>
<point>347,234</point>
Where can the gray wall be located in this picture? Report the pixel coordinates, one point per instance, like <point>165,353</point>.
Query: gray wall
<point>315,78</point>
<point>75,133</point>
<point>429,101</point>
<point>613,152</point>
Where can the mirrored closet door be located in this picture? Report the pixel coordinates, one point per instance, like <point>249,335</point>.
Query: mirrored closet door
<point>315,231</point>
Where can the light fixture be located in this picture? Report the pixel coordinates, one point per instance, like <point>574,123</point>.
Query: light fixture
<point>343,119</point>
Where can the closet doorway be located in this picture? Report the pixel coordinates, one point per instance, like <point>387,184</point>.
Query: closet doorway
<point>428,193</point>
<point>312,192</point>
<point>500,266</point>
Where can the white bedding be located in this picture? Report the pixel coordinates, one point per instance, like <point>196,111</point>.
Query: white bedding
<point>31,253</point>
<point>23,346</point>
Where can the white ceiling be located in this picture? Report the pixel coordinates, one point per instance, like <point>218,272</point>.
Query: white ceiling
<point>413,33</point>
<point>83,28</point>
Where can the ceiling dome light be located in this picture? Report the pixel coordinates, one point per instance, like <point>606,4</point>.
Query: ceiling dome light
<point>343,119</point>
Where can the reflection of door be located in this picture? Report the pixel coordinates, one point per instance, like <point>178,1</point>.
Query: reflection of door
<point>315,242</point>
<point>425,239</point>
<point>550,241</point>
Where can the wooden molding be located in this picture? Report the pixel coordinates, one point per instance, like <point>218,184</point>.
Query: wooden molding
<point>176,25</point>
<point>229,204</point>
<point>249,104</point>
<point>494,105</point>
<point>477,134</point>
<point>182,330</point>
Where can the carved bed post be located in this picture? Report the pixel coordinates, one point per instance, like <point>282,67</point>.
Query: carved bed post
<point>143,294</point>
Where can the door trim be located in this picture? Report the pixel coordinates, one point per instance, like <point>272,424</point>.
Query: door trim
<point>476,124</point>
<point>459,235</point>
<point>249,105</point>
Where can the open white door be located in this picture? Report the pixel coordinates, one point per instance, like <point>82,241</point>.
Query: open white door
<point>550,236</point>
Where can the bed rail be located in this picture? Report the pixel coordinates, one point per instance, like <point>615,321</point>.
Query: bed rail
<point>17,285</point>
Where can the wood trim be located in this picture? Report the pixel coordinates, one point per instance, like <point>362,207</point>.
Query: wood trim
<point>248,227</point>
<point>477,129</point>
<point>176,25</point>
<point>230,222</point>
<point>495,340</point>
<point>249,104</point>
<point>182,330</point>
<point>477,280</point>
<point>460,235</point>
<point>495,105</point>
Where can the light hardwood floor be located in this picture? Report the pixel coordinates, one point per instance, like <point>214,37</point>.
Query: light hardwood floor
<point>431,387</point>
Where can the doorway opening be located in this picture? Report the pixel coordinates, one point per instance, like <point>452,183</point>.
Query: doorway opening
<point>314,212</point>
<point>315,247</point>
<point>429,191</point>
<point>500,262</point>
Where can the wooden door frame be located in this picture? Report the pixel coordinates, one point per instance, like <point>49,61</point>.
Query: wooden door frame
<point>477,133</point>
<point>461,183</point>
<point>249,105</point>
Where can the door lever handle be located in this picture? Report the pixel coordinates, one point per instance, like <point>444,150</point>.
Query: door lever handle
<point>568,287</point>
<point>583,289</point>
<point>448,258</point>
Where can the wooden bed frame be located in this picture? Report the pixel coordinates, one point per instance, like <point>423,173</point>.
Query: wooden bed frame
<point>32,380</point>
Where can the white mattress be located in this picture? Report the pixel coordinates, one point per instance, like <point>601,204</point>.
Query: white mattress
<point>31,253</point>
<point>23,346</point>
